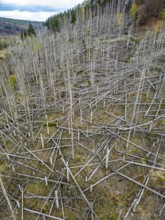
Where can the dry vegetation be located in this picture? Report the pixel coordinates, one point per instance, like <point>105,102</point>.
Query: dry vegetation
<point>82,124</point>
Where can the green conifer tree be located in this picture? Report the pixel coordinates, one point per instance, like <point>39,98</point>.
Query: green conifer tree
<point>31,30</point>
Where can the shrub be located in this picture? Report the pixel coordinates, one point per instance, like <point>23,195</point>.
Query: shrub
<point>139,2</point>
<point>158,26</point>
<point>162,14</point>
<point>12,79</point>
<point>150,9</point>
<point>4,43</point>
<point>133,11</point>
<point>83,13</point>
<point>153,7</point>
<point>119,18</point>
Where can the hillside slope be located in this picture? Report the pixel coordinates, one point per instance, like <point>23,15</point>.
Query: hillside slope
<point>13,26</point>
<point>82,123</point>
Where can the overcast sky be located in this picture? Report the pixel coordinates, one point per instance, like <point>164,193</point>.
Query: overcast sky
<point>38,10</point>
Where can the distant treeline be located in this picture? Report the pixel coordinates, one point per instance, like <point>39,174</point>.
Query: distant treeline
<point>14,26</point>
<point>140,11</point>
<point>84,11</point>
<point>18,22</point>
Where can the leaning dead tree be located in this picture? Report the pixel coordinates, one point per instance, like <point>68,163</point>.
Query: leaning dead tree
<point>82,123</point>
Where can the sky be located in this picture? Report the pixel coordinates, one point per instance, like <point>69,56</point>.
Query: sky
<point>34,10</point>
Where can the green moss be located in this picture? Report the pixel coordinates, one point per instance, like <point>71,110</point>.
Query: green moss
<point>106,210</point>
<point>78,158</point>
<point>127,61</point>
<point>144,98</point>
<point>38,188</point>
<point>3,167</point>
<point>154,134</point>
<point>51,124</point>
<point>158,180</point>
<point>162,106</point>
<point>135,39</point>
<point>79,72</point>
<point>71,214</point>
